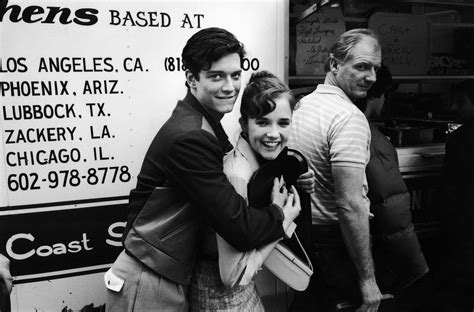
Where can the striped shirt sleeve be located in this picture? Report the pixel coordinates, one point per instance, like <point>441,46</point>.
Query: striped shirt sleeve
<point>349,141</point>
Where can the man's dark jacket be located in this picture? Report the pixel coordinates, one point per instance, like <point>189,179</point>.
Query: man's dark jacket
<point>182,186</point>
<point>392,227</point>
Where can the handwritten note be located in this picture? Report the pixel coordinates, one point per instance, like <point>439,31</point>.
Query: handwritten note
<point>314,37</point>
<point>405,40</point>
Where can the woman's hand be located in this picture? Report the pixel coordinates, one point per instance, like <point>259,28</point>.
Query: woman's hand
<point>307,181</point>
<point>279,192</point>
<point>292,207</point>
<point>289,202</point>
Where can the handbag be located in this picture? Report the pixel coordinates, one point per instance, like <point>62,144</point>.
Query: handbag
<point>289,260</point>
<point>288,267</point>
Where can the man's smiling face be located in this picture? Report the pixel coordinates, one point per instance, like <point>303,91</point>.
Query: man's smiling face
<point>218,88</point>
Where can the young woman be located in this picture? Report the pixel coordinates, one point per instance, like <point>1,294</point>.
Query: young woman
<point>223,276</point>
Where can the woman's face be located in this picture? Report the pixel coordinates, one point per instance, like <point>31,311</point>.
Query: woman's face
<point>268,134</point>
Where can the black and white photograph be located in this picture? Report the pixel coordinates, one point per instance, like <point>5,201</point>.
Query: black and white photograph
<point>237,155</point>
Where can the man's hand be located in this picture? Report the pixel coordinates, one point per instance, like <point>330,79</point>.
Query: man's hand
<point>371,296</point>
<point>306,181</point>
<point>5,275</point>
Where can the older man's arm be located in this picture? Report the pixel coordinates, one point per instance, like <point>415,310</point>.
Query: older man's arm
<point>354,221</point>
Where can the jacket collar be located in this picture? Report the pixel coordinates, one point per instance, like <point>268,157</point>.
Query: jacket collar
<point>215,125</point>
<point>243,147</point>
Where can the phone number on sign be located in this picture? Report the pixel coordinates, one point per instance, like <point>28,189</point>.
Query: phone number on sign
<point>68,178</point>
<point>175,64</point>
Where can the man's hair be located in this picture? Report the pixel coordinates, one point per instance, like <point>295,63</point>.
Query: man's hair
<point>207,46</point>
<point>341,49</point>
<point>258,98</point>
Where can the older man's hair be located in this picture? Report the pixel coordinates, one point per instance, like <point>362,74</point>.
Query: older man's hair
<point>341,49</point>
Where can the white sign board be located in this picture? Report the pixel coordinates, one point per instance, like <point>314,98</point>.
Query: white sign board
<point>314,37</point>
<point>405,40</point>
<point>84,87</point>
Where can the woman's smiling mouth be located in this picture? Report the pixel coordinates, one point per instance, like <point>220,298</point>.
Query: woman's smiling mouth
<point>270,144</point>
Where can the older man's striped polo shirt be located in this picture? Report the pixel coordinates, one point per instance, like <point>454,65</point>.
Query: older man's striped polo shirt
<point>330,131</point>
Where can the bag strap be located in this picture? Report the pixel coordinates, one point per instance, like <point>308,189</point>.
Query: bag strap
<point>304,251</point>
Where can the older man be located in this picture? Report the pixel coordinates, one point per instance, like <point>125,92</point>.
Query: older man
<point>334,136</point>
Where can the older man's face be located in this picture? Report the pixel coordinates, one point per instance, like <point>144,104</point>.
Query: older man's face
<point>358,73</point>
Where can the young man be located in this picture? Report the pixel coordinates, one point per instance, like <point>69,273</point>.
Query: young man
<point>181,186</point>
<point>334,136</point>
